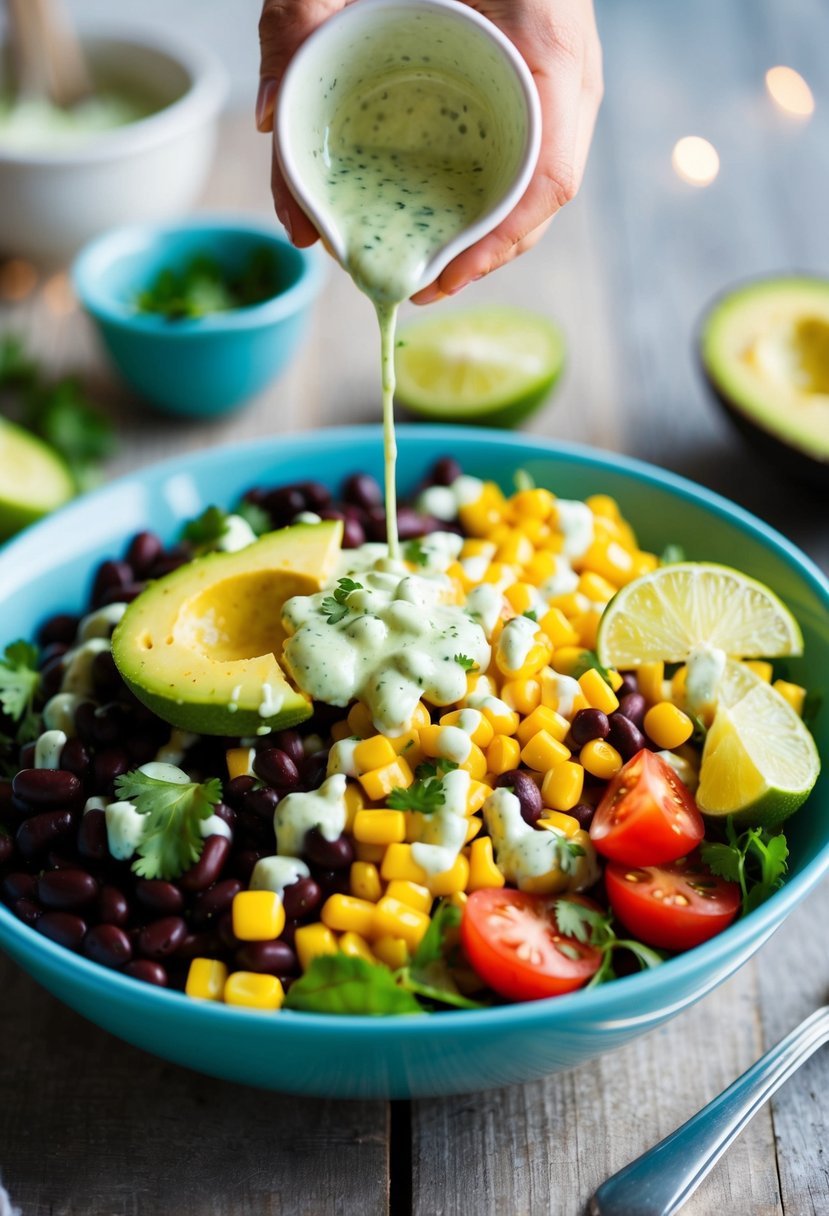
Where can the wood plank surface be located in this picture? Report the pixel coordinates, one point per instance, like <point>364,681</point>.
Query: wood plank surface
<point>91,1127</point>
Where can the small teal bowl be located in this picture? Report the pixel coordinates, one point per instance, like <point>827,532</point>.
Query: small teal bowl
<point>50,569</point>
<point>207,366</point>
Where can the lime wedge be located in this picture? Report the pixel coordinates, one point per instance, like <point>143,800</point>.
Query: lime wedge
<point>679,609</point>
<point>33,479</point>
<point>759,762</point>
<point>492,366</point>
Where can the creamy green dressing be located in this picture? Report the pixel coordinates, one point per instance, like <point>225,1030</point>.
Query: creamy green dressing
<point>34,125</point>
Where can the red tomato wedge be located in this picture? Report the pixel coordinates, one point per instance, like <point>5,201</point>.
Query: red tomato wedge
<point>674,906</point>
<point>512,941</point>
<point>647,816</point>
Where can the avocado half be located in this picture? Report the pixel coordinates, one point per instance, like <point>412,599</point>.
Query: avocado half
<point>765,353</point>
<point>200,647</point>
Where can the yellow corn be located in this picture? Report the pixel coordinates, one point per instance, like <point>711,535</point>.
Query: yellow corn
<point>359,721</point>
<point>475,763</point>
<point>565,659</point>
<point>610,559</point>
<point>372,753</point>
<point>557,822</point>
<point>793,693</point>
<point>430,740</point>
<point>599,693</point>
<point>479,791</point>
<point>483,872</point>
<point>253,990</point>
<point>354,802</point>
<point>568,604</point>
<point>402,745</point>
<point>604,506</point>
<point>206,979</point>
<point>667,725</point>
<point>521,695</point>
<point>600,759</point>
<point>503,754</point>
<point>678,681</point>
<point>515,549</point>
<point>557,628</point>
<point>379,782</point>
<point>475,547</point>
<point>420,717</point>
<point>615,678</point>
<point>258,916</point>
<point>473,827</point>
<point>379,827</point>
<point>458,899</point>
<point>371,853</point>
<point>543,752</point>
<point>393,918</point>
<point>479,518</point>
<point>587,627</point>
<point>392,951</point>
<point>760,668</point>
<point>312,941</point>
<point>483,729</point>
<point>650,679</point>
<point>344,913</point>
<point>341,730</point>
<point>364,881</point>
<point>543,718</point>
<point>399,863</point>
<point>240,761</point>
<point>596,588</point>
<point>520,596</point>
<point>503,721</point>
<point>540,567</point>
<point>562,786</point>
<point>355,946</point>
<point>411,893</point>
<point>534,504</point>
<point>644,563</point>
<point>452,880</point>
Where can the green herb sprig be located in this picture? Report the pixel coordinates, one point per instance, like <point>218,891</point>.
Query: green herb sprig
<point>174,811</point>
<point>592,927</point>
<point>335,606</point>
<point>755,858</point>
<point>19,682</point>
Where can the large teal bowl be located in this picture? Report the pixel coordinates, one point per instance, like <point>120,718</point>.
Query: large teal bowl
<point>49,569</point>
<point>206,366</point>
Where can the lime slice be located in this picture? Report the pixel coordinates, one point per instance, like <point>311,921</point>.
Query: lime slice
<point>759,762</point>
<point>491,366</point>
<point>33,479</point>
<point>679,609</point>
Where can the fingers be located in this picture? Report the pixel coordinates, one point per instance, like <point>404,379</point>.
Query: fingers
<point>432,293</point>
<point>299,228</point>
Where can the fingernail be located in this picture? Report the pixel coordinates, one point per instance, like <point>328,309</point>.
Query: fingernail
<point>265,100</point>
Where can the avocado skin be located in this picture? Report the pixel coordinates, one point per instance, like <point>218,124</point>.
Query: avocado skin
<point>246,723</point>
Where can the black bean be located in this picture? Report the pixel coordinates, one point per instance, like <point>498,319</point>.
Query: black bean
<point>122,595</point>
<point>243,863</point>
<point>209,866</point>
<point>313,769</point>
<point>226,813</point>
<point>107,765</point>
<point>166,565</point>
<point>584,812</point>
<point>162,937</point>
<point>26,756</point>
<point>354,534</point>
<point>75,758</point>
<point>51,677</point>
<point>46,787</point>
<point>93,842</point>
<point>38,833</point>
<point>316,495</point>
<point>260,803</point>
<point>106,678</point>
<point>375,524</point>
<point>17,885</point>
<point>525,790</point>
<point>254,833</point>
<point>362,490</point>
<point>145,549</point>
<point>5,793</point>
<point>214,902</point>
<point>66,890</point>
<point>589,724</point>
<point>62,927</point>
<point>625,736</point>
<point>60,861</point>
<point>236,788</point>
<point>162,898</point>
<point>633,706</point>
<point>301,898</point>
<point>288,933</point>
<point>284,503</point>
<point>330,854</point>
<point>113,906</point>
<point>268,958</point>
<point>628,684</point>
<point>55,650</point>
<point>6,847</point>
<point>61,627</point>
<point>276,768</point>
<point>199,945</point>
<point>142,749</point>
<point>224,928</point>
<point>107,945</point>
<point>445,471</point>
<point>411,524</point>
<point>27,911</point>
<point>150,973</point>
<point>110,574</point>
<point>290,742</point>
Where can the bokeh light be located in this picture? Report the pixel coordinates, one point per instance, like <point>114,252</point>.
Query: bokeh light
<point>790,92</point>
<point>695,160</point>
<point>58,295</point>
<point>18,279</point>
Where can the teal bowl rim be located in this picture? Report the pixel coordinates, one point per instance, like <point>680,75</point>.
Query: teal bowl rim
<point>98,255</point>
<point>598,1005</point>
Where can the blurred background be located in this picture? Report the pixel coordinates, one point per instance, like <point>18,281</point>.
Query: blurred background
<point>660,228</point>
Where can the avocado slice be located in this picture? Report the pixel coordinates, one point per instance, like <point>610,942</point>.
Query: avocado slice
<point>200,647</point>
<point>33,479</point>
<point>765,353</point>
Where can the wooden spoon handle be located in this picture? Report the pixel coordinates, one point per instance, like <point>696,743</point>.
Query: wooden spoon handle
<point>46,52</point>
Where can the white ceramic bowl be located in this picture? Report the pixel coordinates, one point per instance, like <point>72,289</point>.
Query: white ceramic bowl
<point>52,202</point>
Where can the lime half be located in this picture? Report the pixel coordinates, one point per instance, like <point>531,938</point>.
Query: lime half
<point>759,762</point>
<point>492,366</point>
<point>679,609</point>
<point>33,479</point>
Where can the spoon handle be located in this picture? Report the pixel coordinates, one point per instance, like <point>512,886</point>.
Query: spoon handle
<point>660,1181</point>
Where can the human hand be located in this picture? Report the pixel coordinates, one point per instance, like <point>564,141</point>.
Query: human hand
<point>560,44</point>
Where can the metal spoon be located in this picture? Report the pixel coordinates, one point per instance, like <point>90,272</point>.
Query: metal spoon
<point>660,1181</point>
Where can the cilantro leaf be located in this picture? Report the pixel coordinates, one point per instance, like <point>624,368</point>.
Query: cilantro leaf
<point>207,529</point>
<point>592,927</point>
<point>19,681</point>
<point>756,859</point>
<point>430,972</point>
<point>671,554</point>
<point>435,768</point>
<point>335,606</point>
<point>255,517</point>
<point>17,370</point>
<point>531,615</point>
<point>447,918</point>
<point>172,839</point>
<point>203,285</point>
<point>338,983</point>
<point>426,796</point>
<point>416,552</point>
<point>722,860</point>
<point>465,662</point>
<point>587,662</point>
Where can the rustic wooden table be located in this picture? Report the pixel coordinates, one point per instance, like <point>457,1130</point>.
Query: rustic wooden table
<point>91,1127</point>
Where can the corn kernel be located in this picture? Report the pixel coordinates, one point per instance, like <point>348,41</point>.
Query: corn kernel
<point>541,566</point>
<point>354,802</point>
<point>568,603</point>
<point>596,588</point>
<point>360,722</point>
<point>503,754</point>
<point>393,918</point>
<point>543,752</point>
<point>373,854</point>
<point>760,668</point>
<point>650,679</point>
<point>253,990</point>
<point>536,503</point>
<point>473,827</point>
<point>543,718</point>
<point>341,730</point>
<point>475,547</point>
<point>520,596</point>
<point>379,782</point>
<point>355,946</point>
<point>604,506</point>
<point>610,559</point>
<point>399,863</point>
<point>457,899</point>
<point>430,740</point>
<point>598,691</point>
<point>562,786</point>
<point>587,627</point>
<point>379,827</point>
<point>521,695</point>
<point>420,717</point>
<point>555,821</point>
<point>344,912</point>
<point>502,719</point>
<point>373,752</point>
<point>206,979</point>
<point>615,679</point>
<point>451,880</point>
<point>600,759</point>
<point>515,549</point>
<point>565,659</point>
<point>475,763</point>
<point>479,518</point>
<point>258,916</point>
<point>364,881</point>
<point>392,951</point>
<point>557,628</point>
<point>312,941</point>
<point>474,722</point>
<point>644,563</point>
<point>411,893</point>
<point>667,725</point>
<point>240,761</point>
<point>402,745</point>
<point>793,693</point>
<point>478,793</point>
<point>483,872</point>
